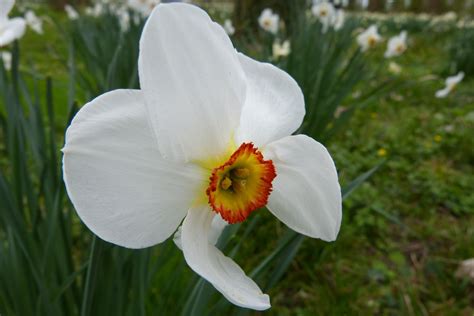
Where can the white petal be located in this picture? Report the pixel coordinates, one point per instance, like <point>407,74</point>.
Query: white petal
<point>192,80</point>
<point>12,30</point>
<point>274,107</point>
<point>5,8</point>
<point>209,262</point>
<point>306,193</point>
<point>455,79</point>
<point>443,92</point>
<point>217,226</point>
<point>121,187</point>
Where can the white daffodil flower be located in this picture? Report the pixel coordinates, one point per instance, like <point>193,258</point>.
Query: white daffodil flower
<point>95,11</point>
<point>7,60</point>
<point>72,14</point>
<point>451,83</point>
<point>34,22</point>
<point>10,29</point>
<point>324,11</point>
<point>228,27</point>
<point>369,38</point>
<point>124,19</point>
<point>397,45</point>
<point>281,49</point>
<point>269,21</point>
<point>207,138</point>
<point>339,19</point>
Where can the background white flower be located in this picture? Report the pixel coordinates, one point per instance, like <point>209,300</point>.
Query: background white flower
<point>10,29</point>
<point>325,13</point>
<point>72,14</point>
<point>339,19</point>
<point>228,27</point>
<point>34,22</point>
<point>138,162</point>
<point>281,49</point>
<point>394,68</point>
<point>269,21</point>
<point>369,38</point>
<point>7,60</point>
<point>96,10</point>
<point>466,270</point>
<point>396,45</point>
<point>124,18</point>
<point>451,83</point>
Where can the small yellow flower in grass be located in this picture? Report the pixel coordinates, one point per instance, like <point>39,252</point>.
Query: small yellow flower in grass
<point>204,143</point>
<point>382,152</point>
<point>438,138</point>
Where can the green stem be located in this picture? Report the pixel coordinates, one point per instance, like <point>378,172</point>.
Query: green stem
<point>94,259</point>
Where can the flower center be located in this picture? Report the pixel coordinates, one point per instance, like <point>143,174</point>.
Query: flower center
<point>372,41</point>
<point>241,185</point>
<point>400,48</point>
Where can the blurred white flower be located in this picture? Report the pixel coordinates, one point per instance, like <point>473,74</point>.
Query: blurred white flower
<point>466,270</point>
<point>184,151</point>
<point>228,27</point>
<point>72,14</point>
<point>451,83</point>
<point>281,49</point>
<point>124,18</point>
<point>10,29</point>
<point>449,128</point>
<point>394,68</point>
<point>396,45</point>
<point>449,16</point>
<point>328,15</point>
<point>324,11</point>
<point>34,22</point>
<point>7,60</point>
<point>269,21</point>
<point>369,38</point>
<point>339,19</point>
<point>95,11</point>
<point>144,7</point>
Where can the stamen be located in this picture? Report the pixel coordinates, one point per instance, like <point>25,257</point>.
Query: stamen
<point>226,183</point>
<point>242,173</point>
<point>241,185</point>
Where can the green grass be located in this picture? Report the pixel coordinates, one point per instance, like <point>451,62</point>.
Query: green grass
<point>404,231</point>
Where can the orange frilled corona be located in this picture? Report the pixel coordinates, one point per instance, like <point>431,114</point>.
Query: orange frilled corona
<point>241,185</point>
